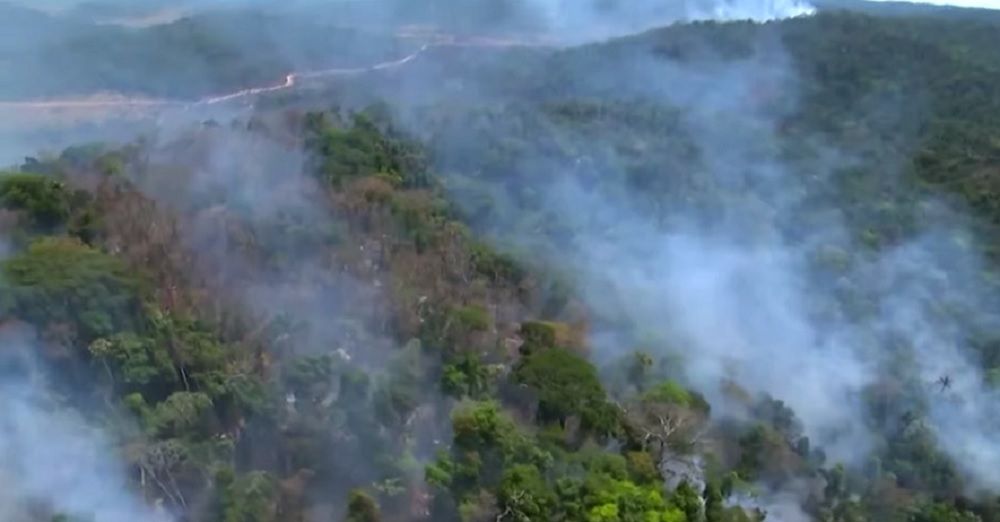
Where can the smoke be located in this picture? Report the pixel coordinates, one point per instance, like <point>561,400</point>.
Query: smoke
<point>746,283</point>
<point>594,20</point>
<point>71,51</point>
<point>262,232</point>
<point>53,460</point>
<point>749,269</point>
<point>781,506</point>
<point>942,298</point>
<point>724,287</point>
<point>272,249</point>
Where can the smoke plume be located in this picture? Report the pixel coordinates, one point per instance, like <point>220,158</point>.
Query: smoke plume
<point>767,283</point>
<point>54,460</point>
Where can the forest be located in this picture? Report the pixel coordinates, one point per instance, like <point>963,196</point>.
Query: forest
<point>712,272</point>
<point>202,54</point>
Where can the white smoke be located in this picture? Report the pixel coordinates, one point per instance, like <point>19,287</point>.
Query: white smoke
<point>735,290</point>
<point>575,21</point>
<point>52,458</point>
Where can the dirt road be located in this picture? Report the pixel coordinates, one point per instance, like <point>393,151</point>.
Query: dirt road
<point>118,102</point>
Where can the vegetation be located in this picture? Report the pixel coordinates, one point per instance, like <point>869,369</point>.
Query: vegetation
<point>195,56</point>
<point>353,339</point>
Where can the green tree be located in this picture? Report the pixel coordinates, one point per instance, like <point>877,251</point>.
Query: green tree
<point>44,200</point>
<point>567,386</point>
<point>715,509</point>
<point>63,281</point>
<point>135,362</point>
<point>250,497</point>
<point>466,377</point>
<point>361,507</point>
<point>537,335</point>
<point>524,494</point>
<point>939,512</point>
<point>183,414</point>
<point>688,500</point>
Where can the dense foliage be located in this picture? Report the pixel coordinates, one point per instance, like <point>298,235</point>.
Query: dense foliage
<point>337,338</point>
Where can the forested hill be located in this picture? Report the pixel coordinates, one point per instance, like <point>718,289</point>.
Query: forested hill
<point>708,273</point>
<point>202,53</point>
<point>912,96</point>
<point>912,93</point>
<point>905,9</point>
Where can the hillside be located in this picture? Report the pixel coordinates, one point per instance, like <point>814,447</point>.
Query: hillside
<point>202,54</point>
<point>905,9</point>
<point>714,272</point>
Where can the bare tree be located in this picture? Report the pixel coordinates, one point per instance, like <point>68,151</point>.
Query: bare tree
<point>664,427</point>
<point>159,463</point>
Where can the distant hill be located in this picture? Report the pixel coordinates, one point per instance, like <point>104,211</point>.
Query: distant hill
<point>917,94</point>
<point>906,9</point>
<point>211,52</point>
